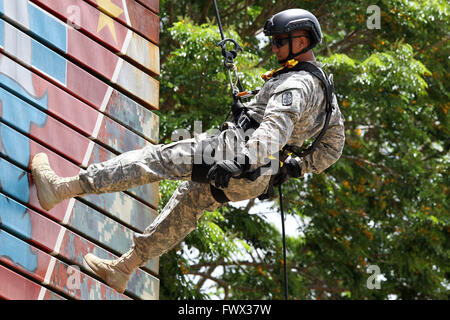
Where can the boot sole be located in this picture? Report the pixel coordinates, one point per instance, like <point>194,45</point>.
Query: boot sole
<point>102,275</point>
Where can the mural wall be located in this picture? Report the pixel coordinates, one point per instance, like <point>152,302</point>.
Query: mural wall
<point>78,82</point>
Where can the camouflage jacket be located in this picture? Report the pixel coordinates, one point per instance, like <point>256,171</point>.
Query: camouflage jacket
<point>291,108</point>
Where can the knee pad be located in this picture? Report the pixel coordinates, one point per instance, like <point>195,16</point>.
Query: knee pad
<point>203,159</point>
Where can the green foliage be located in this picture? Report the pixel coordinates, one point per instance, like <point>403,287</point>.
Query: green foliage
<point>194,84</point>
<point>383,203</point>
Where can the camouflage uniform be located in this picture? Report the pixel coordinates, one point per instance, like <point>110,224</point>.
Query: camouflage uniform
<point>291,105</point>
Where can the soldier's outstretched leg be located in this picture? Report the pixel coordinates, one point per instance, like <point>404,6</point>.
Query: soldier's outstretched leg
<point>178,218</point>
<point>130,169</point>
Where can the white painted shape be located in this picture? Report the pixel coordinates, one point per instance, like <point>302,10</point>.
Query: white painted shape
<point>42,293</point>
<point>18,44</point>
<point>49,272</point>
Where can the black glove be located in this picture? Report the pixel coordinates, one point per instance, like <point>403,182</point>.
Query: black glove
<point>222,171</point>
<point>290,169</point>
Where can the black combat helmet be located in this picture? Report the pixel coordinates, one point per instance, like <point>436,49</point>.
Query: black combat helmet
<point>291,20</point>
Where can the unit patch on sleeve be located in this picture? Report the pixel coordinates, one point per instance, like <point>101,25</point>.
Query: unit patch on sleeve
<point>286,99</point>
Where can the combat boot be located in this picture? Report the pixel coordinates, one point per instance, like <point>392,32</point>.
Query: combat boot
<point>52,189</point>
<point>116,273</point>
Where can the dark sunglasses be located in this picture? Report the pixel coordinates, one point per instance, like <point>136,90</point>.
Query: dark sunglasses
<point>281,42</point>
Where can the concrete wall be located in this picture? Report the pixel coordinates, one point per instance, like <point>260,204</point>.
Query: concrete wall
<point>78,80</point>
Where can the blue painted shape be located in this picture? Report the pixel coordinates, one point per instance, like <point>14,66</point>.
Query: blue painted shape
<point>18,251</point>
<point>44,58</point>
<point>12,139</point>
<point>17,112</point>
<point>47,27</point>
<point>41,23</point>
<point>8,83</point>
<point>13,217</point>
<point>14,181</point>
<point>48,61</point>
<point>2,27</point>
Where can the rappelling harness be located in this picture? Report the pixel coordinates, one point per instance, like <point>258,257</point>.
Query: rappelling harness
<point>244,122</point>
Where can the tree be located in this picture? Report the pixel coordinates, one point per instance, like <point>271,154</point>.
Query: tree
<point>384,203</point>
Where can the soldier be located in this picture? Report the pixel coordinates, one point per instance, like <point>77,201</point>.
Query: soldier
<point>291,107</point>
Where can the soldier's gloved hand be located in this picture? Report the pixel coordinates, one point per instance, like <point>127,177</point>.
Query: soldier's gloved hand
<point>290,169</point>
<point>223,170</point>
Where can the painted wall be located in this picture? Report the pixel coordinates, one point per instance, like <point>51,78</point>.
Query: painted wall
<point>78,80</point>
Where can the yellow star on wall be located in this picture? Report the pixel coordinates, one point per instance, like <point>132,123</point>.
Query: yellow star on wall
<point>105,20</point>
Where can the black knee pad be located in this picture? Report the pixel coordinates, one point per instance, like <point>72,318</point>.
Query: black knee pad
<point>203,159</point>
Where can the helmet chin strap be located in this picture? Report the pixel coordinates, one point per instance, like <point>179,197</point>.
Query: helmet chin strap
<point>294,55</point>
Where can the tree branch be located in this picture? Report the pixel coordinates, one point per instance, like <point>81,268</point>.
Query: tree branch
<point>202,280</point>
<point>205,11</point>
<point>335,45</point>
<point>316,13</point>
<point>221,282</point>
<point>231,10</point>
<point>367,162</point>
<point>249,205</point>
<point>350,40</point>
<point>436,44</point>
<point>250,264</point>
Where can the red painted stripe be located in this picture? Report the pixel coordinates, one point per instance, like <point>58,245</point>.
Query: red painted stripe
<point>71,246</point>
<point>105,30</point>
<point>142,20</point>
<point>60,276</point>
<point>151,4</point>
<point>112,35</point>
<point>13,286</point>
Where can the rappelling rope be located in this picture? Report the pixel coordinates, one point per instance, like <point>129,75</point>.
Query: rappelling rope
<point>284,244</point>
<point>239,92</point>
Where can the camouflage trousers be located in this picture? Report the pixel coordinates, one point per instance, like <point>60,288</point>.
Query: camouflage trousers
<point>175,162</point>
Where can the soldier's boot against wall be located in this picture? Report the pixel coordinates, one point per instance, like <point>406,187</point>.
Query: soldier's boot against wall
<point>52,189</point>
<point>177,219</point>
<point>116,273</point>
<point>153,163</point>
<point>128,170</point>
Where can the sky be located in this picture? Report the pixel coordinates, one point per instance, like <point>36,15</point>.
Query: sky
<point>273,215</point>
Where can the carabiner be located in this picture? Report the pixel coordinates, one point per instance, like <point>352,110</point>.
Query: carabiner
<point>229,56</point>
